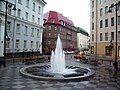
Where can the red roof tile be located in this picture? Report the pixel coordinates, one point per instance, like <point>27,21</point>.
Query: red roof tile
<point>57,17</point>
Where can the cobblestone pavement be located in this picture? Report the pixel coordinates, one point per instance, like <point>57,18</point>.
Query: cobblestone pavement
<point>104,79</point>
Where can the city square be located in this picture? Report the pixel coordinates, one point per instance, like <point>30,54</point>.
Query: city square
<point>104,78</point>
<point>47,45</point>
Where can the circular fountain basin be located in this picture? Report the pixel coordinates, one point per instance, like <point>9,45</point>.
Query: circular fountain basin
<point>44,72</point>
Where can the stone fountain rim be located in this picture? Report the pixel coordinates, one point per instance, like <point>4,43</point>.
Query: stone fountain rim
<point>23,73</point>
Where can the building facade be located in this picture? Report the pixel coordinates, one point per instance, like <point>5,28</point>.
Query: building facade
<point>82,39</point>
<point>103,28</point>
<point>54,24</point>
<point>24,26</point>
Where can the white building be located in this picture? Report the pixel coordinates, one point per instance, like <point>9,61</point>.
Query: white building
<point>82,39</point>
<point>24,26</point>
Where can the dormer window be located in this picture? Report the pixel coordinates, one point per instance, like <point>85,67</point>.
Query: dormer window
<point>60,21</point>
<point>44,20</point>
<point>52,20</point>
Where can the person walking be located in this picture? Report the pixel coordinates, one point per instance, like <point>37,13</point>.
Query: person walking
<point>87,57</point>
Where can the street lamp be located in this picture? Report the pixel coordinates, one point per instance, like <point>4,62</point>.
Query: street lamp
<point>115,64</point>
<point>7,4</point>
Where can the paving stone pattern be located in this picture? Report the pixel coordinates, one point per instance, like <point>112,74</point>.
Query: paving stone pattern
<point>104,79</point>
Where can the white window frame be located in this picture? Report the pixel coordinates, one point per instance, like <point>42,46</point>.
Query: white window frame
<point>18,28</point>
<point>32,32</point>
<point>26,15</point>
<point>26,30</point>
<point>8,28</point>
<point>33,6</point>
<point>19,13</point>
<point>17,43</point>
<point>31,44</point>
<point>39,9</point>
<point>33,18</point>
<point>25,44</point>
<point>27,3</point>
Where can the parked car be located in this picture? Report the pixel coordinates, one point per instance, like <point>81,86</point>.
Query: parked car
<point>80,55</point>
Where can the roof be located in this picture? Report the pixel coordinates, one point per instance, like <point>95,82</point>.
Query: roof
<point>58,17</point>
<point>82,31</point>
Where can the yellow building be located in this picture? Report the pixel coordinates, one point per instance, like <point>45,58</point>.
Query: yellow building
<point>103,27</point>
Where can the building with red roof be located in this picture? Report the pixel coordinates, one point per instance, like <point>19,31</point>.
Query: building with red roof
<point>54,24</point>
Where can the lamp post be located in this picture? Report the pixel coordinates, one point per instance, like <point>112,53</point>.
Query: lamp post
<point>115,64</point>
<point>5,31</point>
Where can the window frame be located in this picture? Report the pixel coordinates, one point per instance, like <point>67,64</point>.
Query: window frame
<point>101,23</point>
<point>108,51</point>
<point>106,36</point>
<point>112,21</point>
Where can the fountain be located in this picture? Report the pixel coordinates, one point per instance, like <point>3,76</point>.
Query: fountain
<point>57,70</point>
<point>58,58</point>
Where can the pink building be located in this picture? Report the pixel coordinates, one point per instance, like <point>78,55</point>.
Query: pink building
<point>54,24</point>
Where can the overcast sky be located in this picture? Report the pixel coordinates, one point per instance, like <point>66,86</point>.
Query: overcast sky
<point>76,10</point>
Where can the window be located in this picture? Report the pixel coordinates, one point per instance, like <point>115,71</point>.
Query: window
<point>9,10</point>
<point>32,32</point>
<point>92,26</point>
<point>118,51</point>
<point>100,1</point>
<point>44,20</point>
<point>92,37</point>
<point>37,45</point>
<point>101,12</point>
<point>101,24</point>
<point>39,9</point>
<point>38,20</point>
<point>112,35</point>
<point>27,3</point>
<point>7,44</point>
<point>33,18</point>
<point>49,27</point>
<point>92,49</point>
<point>68,31</point>
<point>31,44</point>
<point>19,13</point>
<point>92,14</point>
<point>19,1</point>
<point>106,9</point>
<point>106,36</point>
<point>118,6</point>
<point>18,28</point>
<point>52,20</point>
<point>33,6</point>
<point>106,0</point>
<point>108,51</point>
<point>0,21</point>
<point>119,35</point>
<point>26,15</point>
<point>25,44</point>
<point>92,4</point>
<point>112,21</point>
<point>60,29</point>
<point>55,42</point>
<point>38,31</point>
<point>118,20</point>
<point>55,28</point>
<point>49,34</point>
<point>8,26</point>
<point>26,30</point>
<point>17,43</point>
<point>106,22</point>
<point>101,36</point>
<point>55,35</point>
<point>49,42</point>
